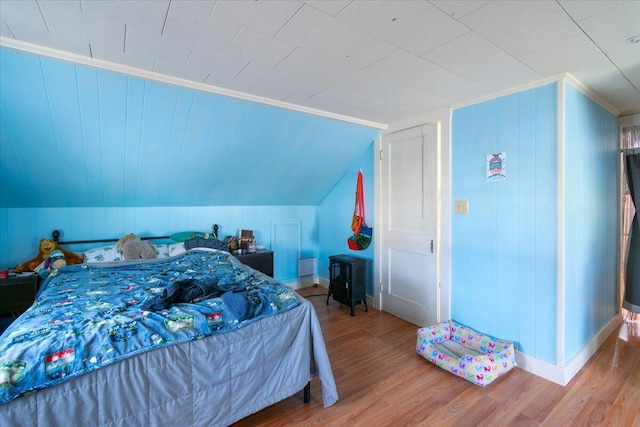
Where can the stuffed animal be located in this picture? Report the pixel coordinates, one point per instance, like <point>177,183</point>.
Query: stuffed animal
<point>55,261</point>
<point>231,242</point>
<point>133,247</point>
<point>45,248</point>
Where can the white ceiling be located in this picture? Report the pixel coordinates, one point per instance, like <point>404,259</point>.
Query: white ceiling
<point>380,61</point>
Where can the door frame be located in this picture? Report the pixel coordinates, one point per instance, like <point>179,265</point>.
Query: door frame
<point>444,208</point>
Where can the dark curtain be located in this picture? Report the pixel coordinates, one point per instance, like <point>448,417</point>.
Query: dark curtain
<point>632,281</point>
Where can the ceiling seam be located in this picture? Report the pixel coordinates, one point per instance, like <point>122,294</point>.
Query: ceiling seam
<point>483,38</point>
<point>6,24</point>
<point>166,16</point>
<point>235,37</point>
<point>598,47</point>
<point>42,16</point>
<point>288,20</point>
<point>215,3</point>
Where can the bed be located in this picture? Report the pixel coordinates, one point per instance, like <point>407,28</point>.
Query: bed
<point>109,343</point>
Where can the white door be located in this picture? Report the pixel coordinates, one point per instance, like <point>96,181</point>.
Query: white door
<point>409,240</point>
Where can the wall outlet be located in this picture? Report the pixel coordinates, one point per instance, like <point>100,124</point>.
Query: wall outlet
<point>462,206</point>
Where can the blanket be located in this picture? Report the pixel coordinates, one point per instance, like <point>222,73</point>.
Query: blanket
<point>91,315</point>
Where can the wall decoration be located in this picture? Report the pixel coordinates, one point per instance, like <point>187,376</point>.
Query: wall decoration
<point>496,167</point>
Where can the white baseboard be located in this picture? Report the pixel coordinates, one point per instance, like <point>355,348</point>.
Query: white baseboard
<point>562,375</point>
<point>538,367</point>
<point>301,282</point>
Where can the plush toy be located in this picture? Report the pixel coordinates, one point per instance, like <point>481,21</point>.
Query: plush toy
<point>45,248</point>
<point>52,264</point>
<point>133,247</point>
<point>231,242</point>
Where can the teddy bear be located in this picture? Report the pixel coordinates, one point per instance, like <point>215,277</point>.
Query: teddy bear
<point>50,266</point>
<point>133,247</point>
<point>45,247</point>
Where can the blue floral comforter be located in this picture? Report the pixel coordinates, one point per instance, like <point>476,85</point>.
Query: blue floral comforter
<point>91,315</point>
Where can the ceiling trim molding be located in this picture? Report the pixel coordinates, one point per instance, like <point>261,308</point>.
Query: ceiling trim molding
<point>569,78</point>
<point>175,81</point>
<point>629,120</point>
<point>564,77</point>
<point>516,89</point>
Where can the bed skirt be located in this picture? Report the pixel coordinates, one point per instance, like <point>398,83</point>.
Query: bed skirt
<point>214,381</point>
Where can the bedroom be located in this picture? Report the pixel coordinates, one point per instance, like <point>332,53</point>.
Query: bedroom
<point>303,205</point>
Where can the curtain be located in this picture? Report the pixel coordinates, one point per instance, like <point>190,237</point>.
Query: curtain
<point>632,275</point>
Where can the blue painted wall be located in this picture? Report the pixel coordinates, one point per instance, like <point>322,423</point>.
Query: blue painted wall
<point>100,154</point>
<point>336,211</point>
<point>591,147</point>
<point>504,251</point>
<point>22,228</point>
<point>75,136</point>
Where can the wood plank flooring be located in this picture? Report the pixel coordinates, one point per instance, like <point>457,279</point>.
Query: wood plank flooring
<point>382,381</point>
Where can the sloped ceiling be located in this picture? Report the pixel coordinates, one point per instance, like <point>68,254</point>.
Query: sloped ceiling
<point>116,139</point>
<point>378,60</point>
<point>74,136</point>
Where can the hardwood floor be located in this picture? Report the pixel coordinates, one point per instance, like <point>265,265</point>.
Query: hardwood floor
<point>382,381</point>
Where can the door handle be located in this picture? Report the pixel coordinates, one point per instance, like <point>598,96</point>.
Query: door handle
<point>432,246</point>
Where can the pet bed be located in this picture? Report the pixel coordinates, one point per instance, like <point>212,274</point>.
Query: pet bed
<point>466,353</point>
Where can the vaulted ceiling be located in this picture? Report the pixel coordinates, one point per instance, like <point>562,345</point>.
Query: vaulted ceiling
<point>140,103</point>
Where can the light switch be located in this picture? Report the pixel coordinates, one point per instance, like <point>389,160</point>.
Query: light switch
<point>462,206</point>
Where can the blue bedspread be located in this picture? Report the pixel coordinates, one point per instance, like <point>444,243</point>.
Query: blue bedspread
<point>91,315</point>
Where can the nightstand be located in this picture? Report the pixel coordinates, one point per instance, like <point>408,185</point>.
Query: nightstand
<point>261,261</point>
<point>17,293</point>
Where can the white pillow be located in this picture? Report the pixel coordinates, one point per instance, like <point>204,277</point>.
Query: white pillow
<point>164,250</point>
<point>175,249</point>
<point>102,254</point>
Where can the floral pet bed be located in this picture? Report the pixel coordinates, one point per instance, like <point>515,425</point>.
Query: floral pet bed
<point>466,353</point>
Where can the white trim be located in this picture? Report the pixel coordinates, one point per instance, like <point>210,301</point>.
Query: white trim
<point>439,222</point>
<point>538,367</point>
<point>563,375</point>
<point>323,282</point>
<point>569,78</point>
<point>377,205</point>
<point>589,349</point>
<point>629,120</point>
<point>175,81</point>
<point>560,274</point>
<point>511,91</point>
<point>442,116</point>
<point>301,282</point>
<point>561,77</point>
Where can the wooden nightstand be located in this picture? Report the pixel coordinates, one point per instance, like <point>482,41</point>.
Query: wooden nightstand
<point>261,261</point>
<point>17,293</point>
